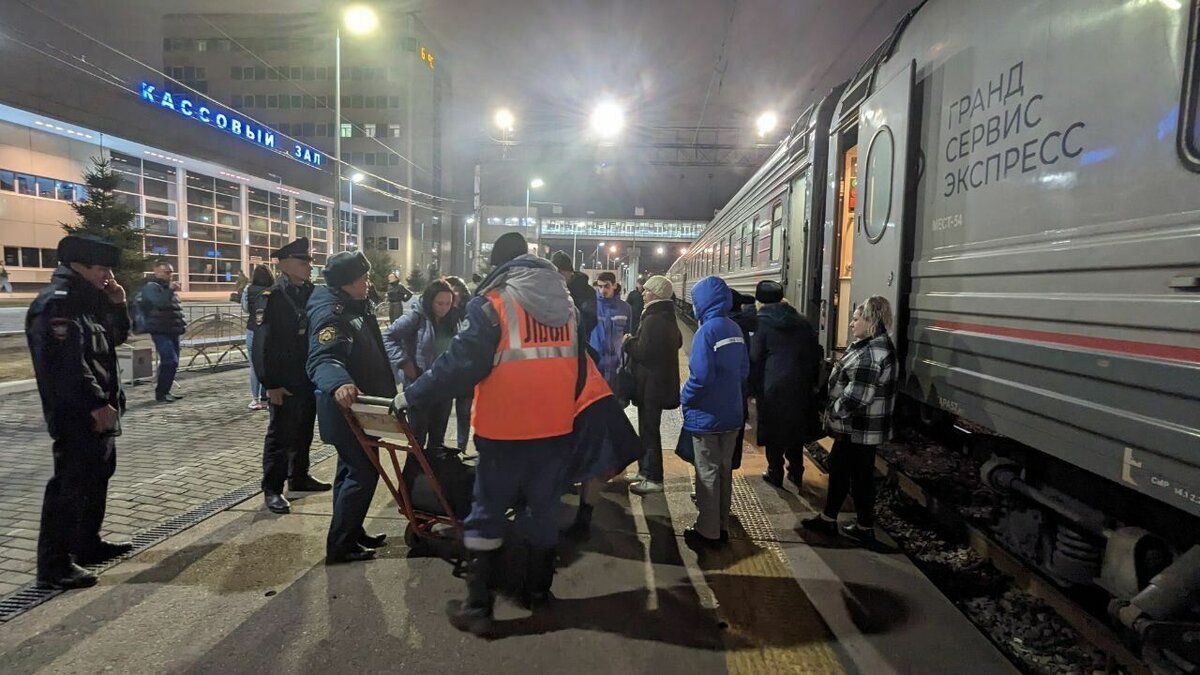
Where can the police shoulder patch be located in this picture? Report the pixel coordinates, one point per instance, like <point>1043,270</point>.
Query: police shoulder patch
<point>339,308</point>
<point>328,334</point>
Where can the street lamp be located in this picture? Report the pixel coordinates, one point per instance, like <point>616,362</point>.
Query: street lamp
<point>533,185</point>
<point>575,242</point>
<point>359,20</point>
<point>504,120</point>
<point>607,120</point>
<point>660,250</point>
<point>766,123</point>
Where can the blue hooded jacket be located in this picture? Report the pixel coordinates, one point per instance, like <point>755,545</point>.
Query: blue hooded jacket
<point>719,363</point>
<point>613,318</point>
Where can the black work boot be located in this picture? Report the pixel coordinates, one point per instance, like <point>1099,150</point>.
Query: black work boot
<point>474,615</point>
<point>539,576</point>
<point>583,522</point>
<point>774,476</point>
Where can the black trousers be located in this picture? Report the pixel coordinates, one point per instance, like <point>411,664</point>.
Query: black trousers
<point>73,507</point>
<point>289,437</point>
<point>793,453</point>
<point>650,431</point>
<point>852,472</point>
<point>353,489</point>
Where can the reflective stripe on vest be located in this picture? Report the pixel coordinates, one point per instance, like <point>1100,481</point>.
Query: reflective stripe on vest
<point>530,392</point>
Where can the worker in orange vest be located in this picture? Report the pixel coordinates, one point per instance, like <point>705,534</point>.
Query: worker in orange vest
<point>520,352</point>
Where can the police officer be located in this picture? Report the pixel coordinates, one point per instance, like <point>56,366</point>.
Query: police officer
<point>73,329</point>
<point>520,352</point>
<point>346,359</point>
<point>279,352</point>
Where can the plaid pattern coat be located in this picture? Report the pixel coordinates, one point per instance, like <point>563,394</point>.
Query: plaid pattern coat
<point>862,392</point>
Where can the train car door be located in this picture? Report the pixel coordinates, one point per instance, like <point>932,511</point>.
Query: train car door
<point>796,242</point>
<point>838,241</point>
<point>884,121</point>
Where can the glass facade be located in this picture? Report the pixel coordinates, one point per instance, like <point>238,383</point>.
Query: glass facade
<point>616,229</point>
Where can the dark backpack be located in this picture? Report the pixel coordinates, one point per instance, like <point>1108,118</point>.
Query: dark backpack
<point>455,474</point>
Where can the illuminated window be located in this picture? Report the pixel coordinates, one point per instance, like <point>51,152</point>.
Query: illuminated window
<point>369,130</point>
<point>347,130</point>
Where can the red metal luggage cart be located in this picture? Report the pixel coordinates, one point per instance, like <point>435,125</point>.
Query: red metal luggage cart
<point>378,431</point>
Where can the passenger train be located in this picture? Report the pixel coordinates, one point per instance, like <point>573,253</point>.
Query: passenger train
<point>1022,181</point>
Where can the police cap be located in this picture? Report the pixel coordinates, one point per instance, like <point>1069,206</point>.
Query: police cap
<point>295,249</point>
<point>345,267</point>
<point>88,249</point>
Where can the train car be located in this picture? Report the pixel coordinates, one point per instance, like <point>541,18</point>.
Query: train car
<point>1020,181</point>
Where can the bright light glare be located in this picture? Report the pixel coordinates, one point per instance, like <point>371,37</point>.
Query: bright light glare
<point>683,251</point>
<point>766,123</point>
<point>536,183</point>
<point>608,120</point>
<point>613,249</point>
<point>360,19</point>
<point>470,221</point>
<point>661,250</point>
<point>357,178</point>
<point>504,119</point>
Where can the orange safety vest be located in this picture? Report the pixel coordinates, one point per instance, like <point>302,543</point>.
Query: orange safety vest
<point>530,392</point>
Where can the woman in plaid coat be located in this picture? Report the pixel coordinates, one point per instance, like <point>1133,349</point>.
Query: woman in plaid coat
<point>862,393</point>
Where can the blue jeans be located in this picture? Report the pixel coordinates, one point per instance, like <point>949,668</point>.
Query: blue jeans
<point>256,390</point>
<point>168,361</point>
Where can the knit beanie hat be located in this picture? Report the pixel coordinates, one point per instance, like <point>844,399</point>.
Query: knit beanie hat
<point>660,286</point>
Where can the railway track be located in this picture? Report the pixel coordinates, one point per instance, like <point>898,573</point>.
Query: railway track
<point>925,505</point>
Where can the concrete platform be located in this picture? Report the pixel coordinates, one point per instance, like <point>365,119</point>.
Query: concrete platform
<point>247,591</point>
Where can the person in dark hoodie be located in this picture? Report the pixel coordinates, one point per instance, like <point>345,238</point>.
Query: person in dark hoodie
<point>712,407</point>
<point>582,293</point>
<point>520,351</point>
<point>260,280</point>
<point>164,320</point>
<point>785,363</point>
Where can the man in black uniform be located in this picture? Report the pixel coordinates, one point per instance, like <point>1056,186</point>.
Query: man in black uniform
<point>280,349</point>
<point>73,329</point>
<point>346,359</point>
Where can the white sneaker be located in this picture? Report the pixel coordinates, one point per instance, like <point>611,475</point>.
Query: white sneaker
<point>253,405</point>
<point>646,487</point>
<point>634,477</point>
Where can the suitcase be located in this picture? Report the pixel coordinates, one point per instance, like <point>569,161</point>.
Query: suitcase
<point>454,471</point>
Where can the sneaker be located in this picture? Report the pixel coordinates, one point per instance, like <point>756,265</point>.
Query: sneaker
<point>254,405</point>
<point>635,477</point>
<point>646,487</point>
<point>819,523</point>
<point>863,535</point>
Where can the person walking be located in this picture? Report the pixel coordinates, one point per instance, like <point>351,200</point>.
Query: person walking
<point>654,350</point>
<point>612,325</point>
<point>521,353</point>
<point>862,394</point>
<point>637,303</point>
<point>413,342</point>
<point>165,323</point>
<point>280,351</point>
<point>73,328</point>
<point>260,280</point>
<point>712,407</point>
<point>5,284</point>
<point>785,362</point>
<point>397,295</point>
<point>346,359</point>
<point>462,404</point>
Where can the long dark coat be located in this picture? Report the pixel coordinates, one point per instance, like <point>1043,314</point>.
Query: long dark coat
<point>785,364</point>
<point>655,354</point>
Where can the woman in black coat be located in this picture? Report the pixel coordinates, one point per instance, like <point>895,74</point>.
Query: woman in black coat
<point>654,351</point>
<point>785,363</point>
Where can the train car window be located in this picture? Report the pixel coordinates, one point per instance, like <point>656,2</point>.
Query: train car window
<point>877,193</point>
<point>754,242</point>
<point>776,231</point>
<point>733,259</point>
<point>1188,138</point>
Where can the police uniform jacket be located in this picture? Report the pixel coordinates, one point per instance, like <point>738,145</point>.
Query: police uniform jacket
<point>344,347</point>
<point>73,331</point>
<point>281,336</point>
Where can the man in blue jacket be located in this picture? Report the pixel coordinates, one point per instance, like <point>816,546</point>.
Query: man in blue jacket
<point>712,407</point>
<point>613,318</point>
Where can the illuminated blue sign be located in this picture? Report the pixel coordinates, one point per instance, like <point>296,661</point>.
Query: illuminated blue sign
<point>229,123</point>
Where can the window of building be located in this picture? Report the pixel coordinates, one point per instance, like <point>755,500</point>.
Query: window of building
<point>25,184</point>
<point>307,72</point>
<point>307,129</point>
<point>295,72</point>
<point>237,101</point>
<point>297,101</point>
<point>285,102</point>
<point>394,130</point>
<point>247,72</point>
<point>380,102</point>
<point>393,102</point>
<point>310,102</point>
<point>393,243</point>
<point>272,101</point>
<point>347,130</point>
<point>260,100</point>
<point>235,72</point>
<point>370,159</point>
<point>8,181</point>
<point>369,130</point>
<point>320,73</point>
<point>370,102</point>
<point>393,159</point>
<point>356,102</point>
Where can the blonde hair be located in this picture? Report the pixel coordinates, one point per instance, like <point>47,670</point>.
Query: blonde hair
<point>877,312</point>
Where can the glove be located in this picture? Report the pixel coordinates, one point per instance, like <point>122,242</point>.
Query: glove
<point>399,406</point>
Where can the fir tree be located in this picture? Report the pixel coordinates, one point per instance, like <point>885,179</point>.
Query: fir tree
<point>381,266</point>
<point>415,281</point>
<point>102,215</point>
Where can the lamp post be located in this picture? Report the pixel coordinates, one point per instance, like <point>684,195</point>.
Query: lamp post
<point>533,185</point>
<point>359,20</point>
<point>356,177</point>
<point>575,242</point>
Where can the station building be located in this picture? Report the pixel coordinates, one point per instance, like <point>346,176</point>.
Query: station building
<point>216,186</point>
